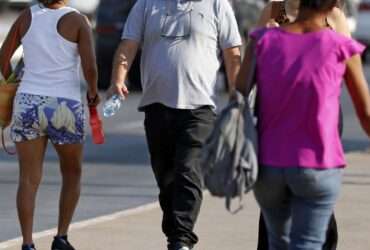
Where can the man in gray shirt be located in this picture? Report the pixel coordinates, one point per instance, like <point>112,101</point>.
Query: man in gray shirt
<point>184,43</point>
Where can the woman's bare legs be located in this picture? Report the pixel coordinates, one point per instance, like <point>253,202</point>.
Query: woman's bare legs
<point>30,156</point>
<point>70,157</point>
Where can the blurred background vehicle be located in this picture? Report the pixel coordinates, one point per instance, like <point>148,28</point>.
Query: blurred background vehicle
<point>362,32</point>
<point>111,17</point>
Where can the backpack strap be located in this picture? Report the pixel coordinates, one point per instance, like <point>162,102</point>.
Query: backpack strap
<point>250,90</point>
<point>241,104</point>
<point>3,144</point>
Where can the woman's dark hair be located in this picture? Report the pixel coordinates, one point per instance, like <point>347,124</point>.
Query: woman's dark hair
<point>47,2</point>
<point>318,5</point>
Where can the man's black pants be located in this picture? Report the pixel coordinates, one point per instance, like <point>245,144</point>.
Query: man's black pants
<point>175,138</point>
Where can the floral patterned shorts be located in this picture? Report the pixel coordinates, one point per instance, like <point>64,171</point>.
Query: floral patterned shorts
<point>61,120</point>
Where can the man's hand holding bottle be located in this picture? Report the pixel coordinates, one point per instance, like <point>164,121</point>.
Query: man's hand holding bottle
<point>116,95</point>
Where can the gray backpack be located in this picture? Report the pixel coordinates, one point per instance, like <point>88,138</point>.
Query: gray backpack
<point>230,153</point>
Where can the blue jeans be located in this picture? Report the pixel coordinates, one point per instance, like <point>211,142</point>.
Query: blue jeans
<point>297,204</point>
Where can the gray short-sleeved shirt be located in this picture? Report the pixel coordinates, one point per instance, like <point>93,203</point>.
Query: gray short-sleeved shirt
<point>182,43</point>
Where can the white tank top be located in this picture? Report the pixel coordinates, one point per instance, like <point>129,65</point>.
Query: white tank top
<point>52,63</point>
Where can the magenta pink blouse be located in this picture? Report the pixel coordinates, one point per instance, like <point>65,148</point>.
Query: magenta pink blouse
<point>299,80</point>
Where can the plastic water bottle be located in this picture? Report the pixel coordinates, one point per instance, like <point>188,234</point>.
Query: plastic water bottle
<point>96,126</point>
<point>111,106</point>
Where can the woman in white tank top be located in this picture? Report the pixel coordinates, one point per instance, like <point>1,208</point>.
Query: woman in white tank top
<point>56,40</point>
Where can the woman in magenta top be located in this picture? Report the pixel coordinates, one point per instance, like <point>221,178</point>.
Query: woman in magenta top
<point>299,69</point>
<point>299,80</point>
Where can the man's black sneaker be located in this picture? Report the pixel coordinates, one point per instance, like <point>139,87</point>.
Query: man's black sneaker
<point>61,243</point>
<point>28,247</point>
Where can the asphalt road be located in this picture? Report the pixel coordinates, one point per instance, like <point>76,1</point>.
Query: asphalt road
<point>116,176</point>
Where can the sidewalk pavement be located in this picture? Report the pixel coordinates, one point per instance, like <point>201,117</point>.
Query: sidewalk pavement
<point>218,229</point>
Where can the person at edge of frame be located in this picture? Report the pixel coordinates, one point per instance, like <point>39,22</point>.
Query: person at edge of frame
<point>56,40</point>
<point>277,13</point>
<point>310,27</point>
